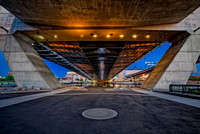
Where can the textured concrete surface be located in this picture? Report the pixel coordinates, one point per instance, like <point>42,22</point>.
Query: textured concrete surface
<point>92,89</point>
<point>136,114</point>
<point>180,99</point>
<point>6,20</point>
<point>28,68</point>
<point>74,35</point>
<point>189,23</point>
<point>164,19</point>
<point>12,95</point>
<point>176,65</point>
<point>16,100</point>
<point>101,13</point>
<point>158,32</point>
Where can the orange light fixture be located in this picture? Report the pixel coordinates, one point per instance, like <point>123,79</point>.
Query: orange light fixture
<point>55,36</point>
<point>134,36</point>
<point>147,36</point>
<point>40,37</point>
<point>121,36</point>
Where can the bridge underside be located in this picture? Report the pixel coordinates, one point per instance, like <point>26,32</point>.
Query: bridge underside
<point>97,58</point>
<point>98,39</point>
<point>87,13</point>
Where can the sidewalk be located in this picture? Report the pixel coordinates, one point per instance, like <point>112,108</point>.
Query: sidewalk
<point>16,100</point>
<point>183,100</point>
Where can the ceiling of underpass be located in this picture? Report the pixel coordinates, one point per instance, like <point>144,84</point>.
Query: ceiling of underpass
<point>94,54</point>
<point>100,60</point>
<point>80,13</point>
<point>96,38</point>
<point>100,35</point>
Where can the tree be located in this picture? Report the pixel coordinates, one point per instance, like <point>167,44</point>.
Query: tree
<point>81,79</point>
<point>77,79</point>
<point>2,79</point>
<point>9,78</point>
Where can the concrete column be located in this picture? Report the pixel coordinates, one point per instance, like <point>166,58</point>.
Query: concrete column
<point>176,65</point>
<point>27,66</point>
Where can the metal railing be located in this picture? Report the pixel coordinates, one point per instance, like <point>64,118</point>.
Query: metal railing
<point>184,88</point>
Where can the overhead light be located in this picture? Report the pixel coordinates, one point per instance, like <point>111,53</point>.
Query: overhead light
<point>147,36</point>
<point>81,35</point>
<point>121,36</point>
<point>134,36</point>
<point>108,36</point>
<point>55,36</point>
<point>40,37</point>
<point>94,35</point>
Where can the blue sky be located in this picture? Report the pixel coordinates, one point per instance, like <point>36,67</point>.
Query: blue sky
<point>57,70</point>
<point>4,69</point>
<point>60,71</point>
<point>153,56</point>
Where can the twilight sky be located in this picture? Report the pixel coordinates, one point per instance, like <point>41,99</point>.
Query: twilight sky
<point>60,71</point>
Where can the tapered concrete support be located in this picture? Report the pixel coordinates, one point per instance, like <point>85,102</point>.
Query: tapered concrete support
<point>27,66</point>
<point>176,65</point>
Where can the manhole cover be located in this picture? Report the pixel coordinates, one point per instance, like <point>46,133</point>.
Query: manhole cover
<point>99,113</point>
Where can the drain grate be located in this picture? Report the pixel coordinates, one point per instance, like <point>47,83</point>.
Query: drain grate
<point>99,113</point>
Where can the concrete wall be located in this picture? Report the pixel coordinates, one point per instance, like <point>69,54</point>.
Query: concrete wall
<point>6,20</point>
<point>176,65</point>
<point>190,23</point>
<point>27,66</point>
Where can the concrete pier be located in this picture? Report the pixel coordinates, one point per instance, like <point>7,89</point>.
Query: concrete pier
<point>28,68</point>
<point>176,65</point>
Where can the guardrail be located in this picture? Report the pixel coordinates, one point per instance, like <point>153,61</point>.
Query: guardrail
<point>194,89</point>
